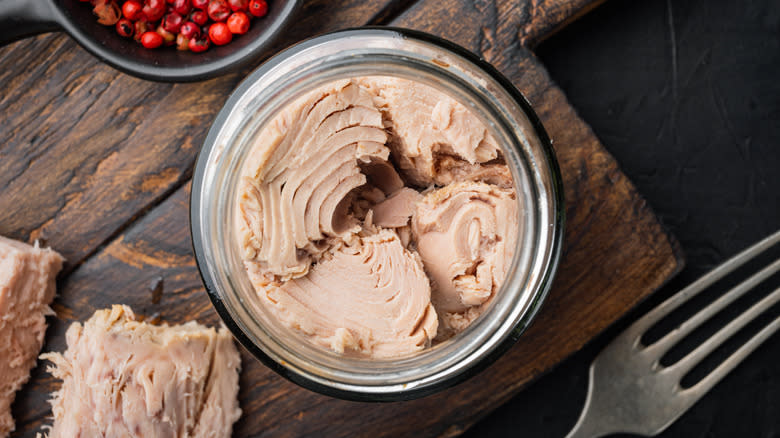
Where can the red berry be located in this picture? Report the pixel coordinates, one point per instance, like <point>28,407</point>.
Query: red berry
<point>219,34</point>
<point>154,9</point>
<point>258,8</point>
<point>189,30</point>
<point>172,22</point>
<point>151,40</point>
<point>132,10</point>
<point>182,7</point>
<point>238,5</point>
<point>199,44</point>
<point>238,23</point>
<point>218,10</point>
<point>125,27</point>
<point>199,17</point>
<point>200,4</point>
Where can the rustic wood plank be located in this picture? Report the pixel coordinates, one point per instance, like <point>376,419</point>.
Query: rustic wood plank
<point>97,147</point>
<point>616,253</point>
<point>545,17</point>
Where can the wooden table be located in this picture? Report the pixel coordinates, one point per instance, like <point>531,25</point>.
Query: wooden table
<point>97,164</point>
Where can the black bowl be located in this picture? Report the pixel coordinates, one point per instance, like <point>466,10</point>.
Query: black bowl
<point>20,18</point>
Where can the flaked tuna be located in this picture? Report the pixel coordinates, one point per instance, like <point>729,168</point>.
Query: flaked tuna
<point>450,170</point>
<point>395,211</point>
<point>427,125</point>
<point>301,173</point>
<point>465,234</point>
<point>336,246</point>
<point>27,287</point>
<point>125,378</point>
<point>368,298</point>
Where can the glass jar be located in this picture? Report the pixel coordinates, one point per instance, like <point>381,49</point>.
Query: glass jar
<point>371,52</point>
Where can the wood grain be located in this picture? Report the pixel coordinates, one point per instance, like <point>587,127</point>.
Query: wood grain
<point>97,168</point>
<point>543,18</point>
<point>96,147</point>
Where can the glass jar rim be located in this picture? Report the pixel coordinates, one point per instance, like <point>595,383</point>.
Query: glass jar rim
<point>233,117</point>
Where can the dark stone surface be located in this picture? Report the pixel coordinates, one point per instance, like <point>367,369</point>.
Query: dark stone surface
<point>686,96</point>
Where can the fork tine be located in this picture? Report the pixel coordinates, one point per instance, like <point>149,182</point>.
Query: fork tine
<point>671,338</point>
<point>694,357</point>
<point>675,301</point>
<point>701,388</point>
<point>628,391</point>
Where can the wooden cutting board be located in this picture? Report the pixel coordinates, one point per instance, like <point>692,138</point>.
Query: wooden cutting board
<point>97,164</point>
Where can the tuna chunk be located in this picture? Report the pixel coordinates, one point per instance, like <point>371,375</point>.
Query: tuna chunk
<point>371,298</point>
<point>395,211</point>
<point>126,378</point>
<point>451,170</point>
<point>341,251</point>
<point>27,287</point>
<point>303,169</point>
<point>426,124</point>
<point>466,235</point>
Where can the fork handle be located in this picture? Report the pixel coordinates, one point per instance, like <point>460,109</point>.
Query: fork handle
<point>593,421</point>
<point>587,426</point>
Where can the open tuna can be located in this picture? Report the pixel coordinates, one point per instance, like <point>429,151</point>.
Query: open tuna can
<point>377,214</point>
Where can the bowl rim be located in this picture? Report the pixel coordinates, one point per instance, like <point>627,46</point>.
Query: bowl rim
<point>556,249</point>
<point>207,70</point>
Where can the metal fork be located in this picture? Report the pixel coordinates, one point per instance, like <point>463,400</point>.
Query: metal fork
<point>630,391</point>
